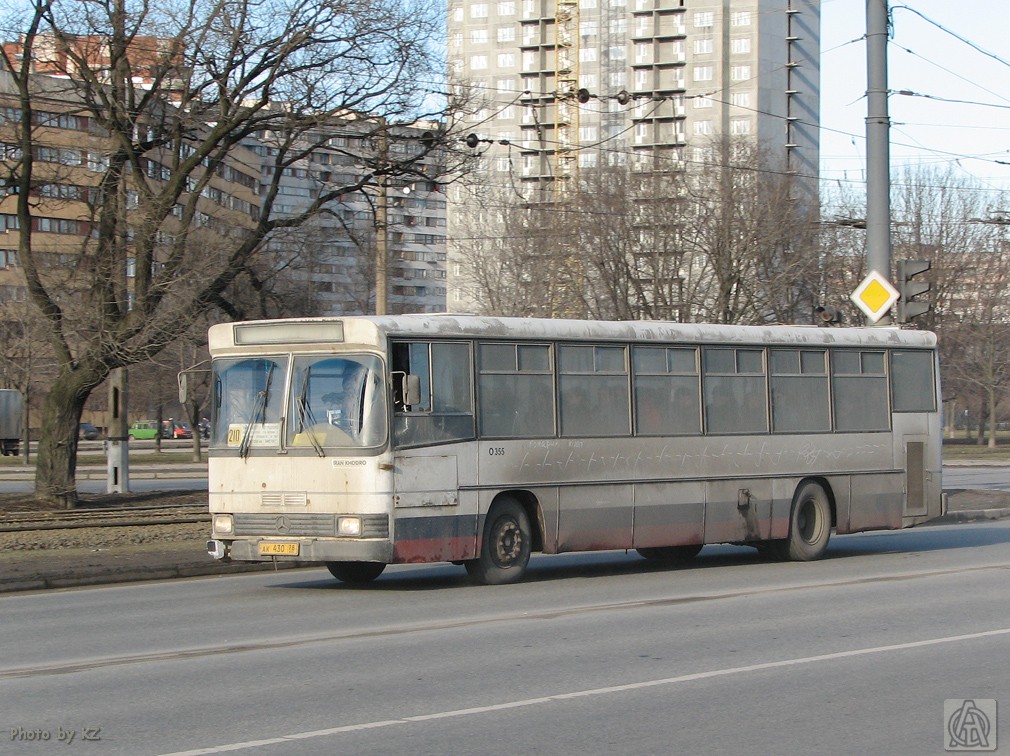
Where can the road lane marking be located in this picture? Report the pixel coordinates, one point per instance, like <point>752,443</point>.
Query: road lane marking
<point>612,689</point>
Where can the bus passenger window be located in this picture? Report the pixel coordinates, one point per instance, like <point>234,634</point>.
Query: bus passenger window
<point>593,388</point>
<point>799,389</point>
<point>735,396</point>
<point>912,386</point>
<point>515,390</point>
<point>666,391</point>
<point>859,391</point>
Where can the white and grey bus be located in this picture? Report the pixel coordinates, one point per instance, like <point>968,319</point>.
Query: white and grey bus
<point>365,441</point>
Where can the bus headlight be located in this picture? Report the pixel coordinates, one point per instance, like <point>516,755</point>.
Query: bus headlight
<point>223,524</point>
<point>349,527</point>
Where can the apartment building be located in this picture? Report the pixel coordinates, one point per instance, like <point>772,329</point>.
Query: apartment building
<point>567,86</point>
<point>71,154</point>
<point>328,267</point>
<point>331,259</point>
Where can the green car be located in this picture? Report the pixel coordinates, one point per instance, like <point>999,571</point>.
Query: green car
<point>143,430</point>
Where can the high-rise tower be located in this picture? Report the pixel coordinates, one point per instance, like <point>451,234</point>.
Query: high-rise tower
<point>648,84</point>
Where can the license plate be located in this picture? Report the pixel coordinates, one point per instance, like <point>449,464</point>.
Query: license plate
<point>278,549</point>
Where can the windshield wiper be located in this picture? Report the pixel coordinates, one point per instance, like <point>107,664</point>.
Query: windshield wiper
<point>258,414</point>
<point>305,417</point>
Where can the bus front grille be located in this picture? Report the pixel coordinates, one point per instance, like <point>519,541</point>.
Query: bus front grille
<point>283,499</point>
<point>303,524</point>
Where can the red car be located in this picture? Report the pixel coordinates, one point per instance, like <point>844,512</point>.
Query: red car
<point>171,429</point>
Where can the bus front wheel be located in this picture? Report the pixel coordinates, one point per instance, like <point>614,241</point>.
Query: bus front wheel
<point>506,546</point>
<point>809,526</point>
<point>355,573</point>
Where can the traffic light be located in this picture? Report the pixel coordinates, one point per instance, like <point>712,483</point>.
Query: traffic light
<point>827,315</point>
<point>908,307</point>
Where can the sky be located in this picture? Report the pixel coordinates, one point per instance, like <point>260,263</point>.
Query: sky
<point>928,129</point>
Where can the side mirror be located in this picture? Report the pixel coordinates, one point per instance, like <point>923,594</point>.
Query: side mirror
<point>411,389</point>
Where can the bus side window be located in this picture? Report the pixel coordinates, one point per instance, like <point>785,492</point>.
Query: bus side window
<point>859,390</point>
<point>593,388</point>
<point>452,392</point>
<point>666,391</point>
<point>912,386</point>
<point>515,390</point>
<point>734,389</point>
<point>413,359</point>
<point>799,391</point>
<point>400,369</point>
<point>444,411</point>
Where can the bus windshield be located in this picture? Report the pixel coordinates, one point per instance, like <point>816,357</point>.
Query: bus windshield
<point>335,402</point>
<point>248,402</point>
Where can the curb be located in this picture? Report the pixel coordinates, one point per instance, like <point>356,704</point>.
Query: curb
<point>977,463</point>
<point>140,575</point>
<point>971,515</point>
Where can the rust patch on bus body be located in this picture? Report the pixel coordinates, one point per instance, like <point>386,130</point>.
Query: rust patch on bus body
<point>423,550</point>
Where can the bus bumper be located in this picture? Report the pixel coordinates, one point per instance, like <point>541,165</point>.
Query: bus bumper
<point>309,550</point>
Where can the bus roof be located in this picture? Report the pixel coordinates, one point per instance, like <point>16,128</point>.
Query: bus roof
<point>375,329</point>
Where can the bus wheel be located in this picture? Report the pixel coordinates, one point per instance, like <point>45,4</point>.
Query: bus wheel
<point>355,573</point>
<point>809,526</point>
<point>506,546</point>
<point>670,553</point>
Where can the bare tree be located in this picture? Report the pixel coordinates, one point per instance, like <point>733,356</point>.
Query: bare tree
<point>171,91</point>
<point>509,249</point>
<point>725,243</point>
<point>945,218</point>
<point>941,216</point>
<point>842,244</point>
<point>975,333</point>
<point>26,362</point>
<point>751,237</point>
<point>630,235</point>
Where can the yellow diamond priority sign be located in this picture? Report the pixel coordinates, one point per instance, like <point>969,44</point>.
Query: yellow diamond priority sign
<point>875,296</point>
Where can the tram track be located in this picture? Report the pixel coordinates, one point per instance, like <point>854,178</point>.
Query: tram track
<point>14,522</point>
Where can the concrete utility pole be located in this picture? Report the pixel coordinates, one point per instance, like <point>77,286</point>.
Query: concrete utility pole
<point>117,445</point>
<point>878,150</point>
<point>382,227</point>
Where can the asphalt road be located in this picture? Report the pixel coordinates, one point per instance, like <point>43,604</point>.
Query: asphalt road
<point>597,653</point>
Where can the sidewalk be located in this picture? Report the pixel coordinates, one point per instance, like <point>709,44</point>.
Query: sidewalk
<point>974,504</point>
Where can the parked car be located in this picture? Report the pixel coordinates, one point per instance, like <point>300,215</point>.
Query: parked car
<point>88,432</point>
<point>172,429</point>
<point>145,429</point>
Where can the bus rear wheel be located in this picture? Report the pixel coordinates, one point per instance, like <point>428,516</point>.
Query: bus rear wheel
<point>505,548</point>
<point>355,573</point>
<point>670,553</point>
<point>809,526</point>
